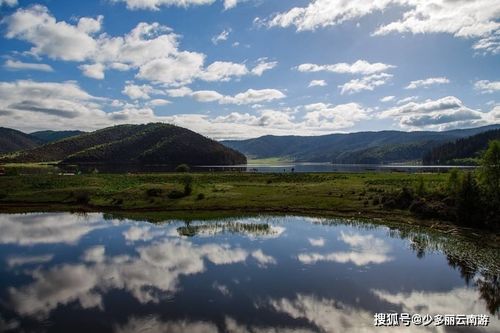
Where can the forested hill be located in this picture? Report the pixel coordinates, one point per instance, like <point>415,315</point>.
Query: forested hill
<point>13,140</point>
<point>154,143</point>
<point>462,151</point>
<point>361,147</point>
<point>51,136</point>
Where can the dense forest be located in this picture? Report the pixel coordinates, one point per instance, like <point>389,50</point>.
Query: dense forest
<point>154,143</point>
<point>362,147</point>
<point>462,151</point>
<point>13,140</point>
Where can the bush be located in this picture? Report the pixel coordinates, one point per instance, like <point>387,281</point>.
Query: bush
<point>154,192</point>
<point>188,185</point>
<point>200,196</point>
<point>182,168</point>
<point>81,197</point>
<point>399,200</point>
<point>175,194</point>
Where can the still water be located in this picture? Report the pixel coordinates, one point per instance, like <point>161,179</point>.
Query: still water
<point>61,272</point>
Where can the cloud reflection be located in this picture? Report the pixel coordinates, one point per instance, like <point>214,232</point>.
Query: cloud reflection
<point>46,228</point>
<point>157,268</point>
<point>365,249</point>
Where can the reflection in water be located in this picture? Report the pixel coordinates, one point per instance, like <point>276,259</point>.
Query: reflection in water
<point>283,274</point>
<point>364,250</point>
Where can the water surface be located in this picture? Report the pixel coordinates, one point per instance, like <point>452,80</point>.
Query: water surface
<point>95,273</point>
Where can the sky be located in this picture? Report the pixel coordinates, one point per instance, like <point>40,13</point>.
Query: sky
<point>233,69</point>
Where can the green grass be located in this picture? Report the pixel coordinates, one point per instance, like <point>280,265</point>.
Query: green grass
<point>342,194</point>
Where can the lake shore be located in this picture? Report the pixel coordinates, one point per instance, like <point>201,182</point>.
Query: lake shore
<point>345,195</point>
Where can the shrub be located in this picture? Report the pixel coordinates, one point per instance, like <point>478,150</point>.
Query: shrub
<point>200,196</point>
<point>188,185</point>
<point>154,192</point>
<point>81,197</point>
<point>175,194</point>
<point>182,168</point>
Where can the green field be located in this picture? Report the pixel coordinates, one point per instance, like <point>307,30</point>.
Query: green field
<point>343,194</point>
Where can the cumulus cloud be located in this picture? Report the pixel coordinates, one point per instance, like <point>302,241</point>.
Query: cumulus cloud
<point>19,66</point>
<point>156,4</point>
<point>445,113</point>
<point>317,83</point>
<point>151,48</point>
<point>487,86</point>
<point>262,66</point>
<point>465,19</point>
<point>248,97</point>
<point>95,71</point>
<point>263,259</point>
<point>427,82</point>
<point>134,91</point>
<point>221,37</point>
<point>334,116</point>
<point>369,82</point>
<point>387,99</point>
<point>358,67</point>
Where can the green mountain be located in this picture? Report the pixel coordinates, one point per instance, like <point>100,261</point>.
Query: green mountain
<point>361,147</point>
<point>155,143</point>
<point>12,140</point>
<point>467,150</point>
<point>51,136</point>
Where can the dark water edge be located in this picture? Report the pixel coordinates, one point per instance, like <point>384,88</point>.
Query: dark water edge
<point>111,272</point>
<point>261,168</point>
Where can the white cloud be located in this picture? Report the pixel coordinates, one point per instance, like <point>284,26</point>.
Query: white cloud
<point>325,314</point>
<point>369,82</point>
<point>179,92</point>
<point>358,67</point>
<point>317,83</point>
<point>486,86</point>
<point>223,71</point>
<point>248,97</point>
<point>488,44</point>
<point>151,48</point>
<point>10,3</point>
<point>407,100</point>
<point>95,71</point>
<point>19,65</point>
<point>36,229</point>
<point>156,4</point>
<point>365,249</point>
<point>445,113</point>
<point>387,99</point>
<point>334,116</point>
<point>263,66</point>
<point>157,268</point>
<point>263,259</point>
<point>134,91</point>
<point>317,241</point>
<point>228,4</point>
<point>465,19</point>
<point>158,102</point>
<point>427,82</point>
<point>221,37</point>
<point>58,40</point>
<point>21,260</point>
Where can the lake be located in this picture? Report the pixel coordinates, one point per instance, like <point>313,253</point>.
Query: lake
<point>261,168</point>
<point>64,272</point>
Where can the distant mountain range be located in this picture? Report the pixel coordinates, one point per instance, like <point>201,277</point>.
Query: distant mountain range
<point>154,143</point>
<point>462,151</point>
<point>361,147</point>
<point>12,140</point>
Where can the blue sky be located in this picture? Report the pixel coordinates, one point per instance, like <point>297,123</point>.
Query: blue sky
<point>246,68</point>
